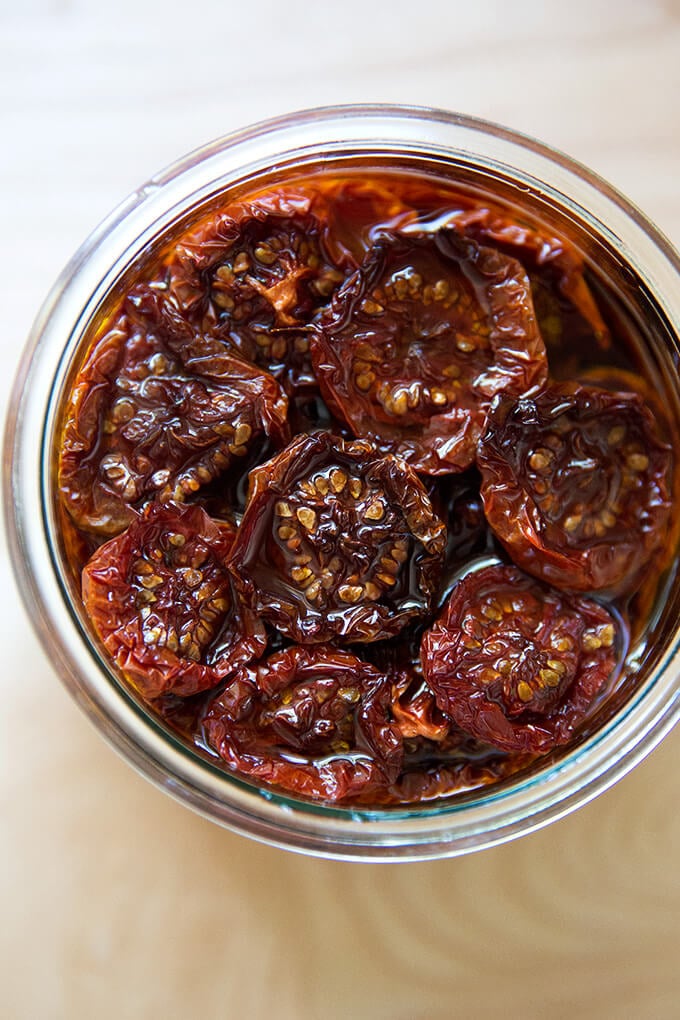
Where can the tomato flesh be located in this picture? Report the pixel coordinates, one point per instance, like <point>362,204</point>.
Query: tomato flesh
<point>576,484</point>
<point>337,541</point>
<point>518,664</point>
<point>156,413</point>
<point>419,340</point>
<point>313,721</point>
<point>162,602</point>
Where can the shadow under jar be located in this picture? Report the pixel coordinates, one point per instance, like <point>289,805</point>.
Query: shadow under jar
<point>604,305</point>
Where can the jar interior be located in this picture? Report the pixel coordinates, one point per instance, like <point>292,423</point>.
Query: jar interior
<point>627,304</point>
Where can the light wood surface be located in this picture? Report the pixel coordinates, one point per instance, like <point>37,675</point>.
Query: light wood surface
<point>119,903</point>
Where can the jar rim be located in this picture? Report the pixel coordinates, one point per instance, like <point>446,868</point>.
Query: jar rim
<point>458,825</point>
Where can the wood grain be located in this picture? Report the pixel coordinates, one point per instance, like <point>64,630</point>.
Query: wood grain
<point>119,902</point>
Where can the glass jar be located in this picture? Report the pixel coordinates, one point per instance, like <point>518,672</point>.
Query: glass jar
<point>617,241</point>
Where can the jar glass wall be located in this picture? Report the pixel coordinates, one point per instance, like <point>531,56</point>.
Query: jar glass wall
<point>627,252</point>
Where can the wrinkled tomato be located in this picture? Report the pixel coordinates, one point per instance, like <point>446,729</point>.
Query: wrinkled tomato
<point>155,413</point>
<point>518,664</point>
<point>162,601</point>
<point>337,541</point>
<point>413,705</point>
<point>418,341</point>
<point>575,483</point>
<point>255,274</point>
<point>313,721</point>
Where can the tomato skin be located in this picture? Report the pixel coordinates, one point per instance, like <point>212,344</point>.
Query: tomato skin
<point>414,708</point>
<point>255,274</point>
<point>416,343</point>
<point>337,541</point>
<point>576,485</point>
<point>517,664</point>
<point>314,721</point>
<point>156,412</point>
<point>162,601</point>
<point>358,210</point>
<point>454,766</point>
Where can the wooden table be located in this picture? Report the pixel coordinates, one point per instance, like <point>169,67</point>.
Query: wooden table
<point>118,902</point>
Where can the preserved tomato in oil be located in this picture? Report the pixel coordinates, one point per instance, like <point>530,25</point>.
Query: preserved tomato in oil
<point>417,343</point>
<point>516,663</point>
<point>158,411</point>
<point>575,483</point>
<point>255,275</point>
<point>338,541</point>
<point>162,601</point>
<point>326,707</point>
<point>367,486</point>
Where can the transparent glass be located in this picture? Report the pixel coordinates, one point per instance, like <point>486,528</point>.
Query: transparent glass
<point>615,238</point>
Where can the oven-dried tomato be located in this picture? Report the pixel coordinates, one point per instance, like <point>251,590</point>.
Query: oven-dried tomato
<point>575,483</point>
<point>313,721</point>
<point>255,274</point>
<point>337,540</point>
<point>163,603</point>
<point>155,413</point>
<point>518,664</point>
<point>416,344</point>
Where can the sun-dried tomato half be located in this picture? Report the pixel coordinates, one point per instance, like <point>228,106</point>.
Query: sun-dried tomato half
<point>337,541</point>
<point>313,721</point>
<point>255,274</point>
<point>416,344</point>
<point>155,413</point>
<point>163,603</point>
<point>576,484</point>
<point>518,664</point>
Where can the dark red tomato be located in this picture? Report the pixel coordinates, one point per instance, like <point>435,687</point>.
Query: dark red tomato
<point>155,413</point>
<point>162,602</point>
<point>518,664</point>
<point>255,274</point>
<point>419,340</point>
<point>576,485</point>
<point>337,541</point>
<point>315,722</point>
